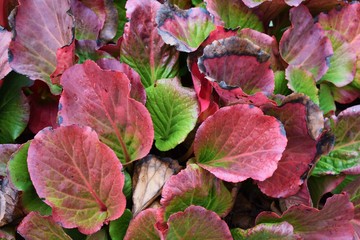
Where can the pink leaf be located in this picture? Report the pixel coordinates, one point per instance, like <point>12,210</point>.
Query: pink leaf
<point>78,176</point>
<point>197,223</point>
<point>100,99</point>
<point>36,227</point>
<point>240,142</point>
<point>331,222</point>
<point>65,58</point>
<point>5,38</point>
<point>294,114</point>
<point>305,43</point>
<point>42,27</point>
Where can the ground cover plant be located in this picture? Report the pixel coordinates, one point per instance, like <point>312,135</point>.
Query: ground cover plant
<point>179,119</point>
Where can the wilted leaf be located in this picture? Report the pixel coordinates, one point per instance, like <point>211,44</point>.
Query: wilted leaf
<point>197,223</point>
<point>305,44</point>
<point>331,222</point>
<point>149,177</point>
<point>234,62</point>
<point>142,48</point>
<point>345,156</point>
<point>184,29</point>
<point>42,27</point>
<point>36,227</point>
<point>174,111</point>
<point>5,38</point>
<point>74,172</point>
<point>118,227</point>
<point>233,14</point>
<point>240,142</point>
<point>100,99</point>
<point>296,114</point>
<point>195,186</point>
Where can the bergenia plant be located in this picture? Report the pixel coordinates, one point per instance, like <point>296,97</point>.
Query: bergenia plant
<point>179,119</point>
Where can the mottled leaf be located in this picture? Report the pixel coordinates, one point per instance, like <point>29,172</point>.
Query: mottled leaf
<point>234,62</point>
<point>331,222</point>
<point>295,113</point>
<point>184,29</point>
<point>345,156</point>
<point>282,231</point>
<point>302,81</point>
<point>5,38</point>
<point>174,111</point>
<point>19,175</point>
<point>100,99</point>
<point>195,186</point>
<point>240,142</point>
<point>74,172</point>
<point>197,223</point>
<point>14,107</point>
<point>143,226</point>
<point>36,227</point>
<point>233,14</point>
<point>305,44</point>
<point>118,227</point>
<point>143,48</point>
<point>42,27</point>
<point>149,177</point>
<point>88,49</point>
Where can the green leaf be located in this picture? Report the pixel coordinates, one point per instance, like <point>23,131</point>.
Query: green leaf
<point>119,226</point>
<point>14,108</point>
<point>272,231</point>
<point>20,177</point>
<point>127,190</point>
<point>281,83</point>
<point>326,99</point>
<point>174,111</point>
<point>120,7</point>
<point>345,157</point>
<point>302,81</point>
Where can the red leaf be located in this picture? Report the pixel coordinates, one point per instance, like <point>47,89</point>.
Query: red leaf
<point>42,27</point>
<point>78,176</point>
<point>65,58</point>
<point>5,38</point>
<point>100,99</point>
<point>305,43</point>
<point>295,161</point>
<point>240,142</point>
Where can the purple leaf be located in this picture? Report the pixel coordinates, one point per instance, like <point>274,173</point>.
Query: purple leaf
<point>240,142</point>
<point>331,222</point>
<point>100,99</point>
<point>5,38</point>
<point>184,29</point>
<point>42,27</point>
<point>305,43</point>
<point>78,176</point>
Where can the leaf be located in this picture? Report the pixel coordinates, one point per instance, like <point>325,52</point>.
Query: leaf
<point>234,62</point>
<point>142,47</point>
<point>36,227</point>
<point>197,223</point>
<point>195,186</point>
<point>233,14</point>
<point>74,172</point>
<point>254,3</point>
<point>305,44</point>
<point>65,58</point>
<point>102,234</point>
<point>345,156</point>
<point>301,197</point>
<point>295,113</point>
<point>121,122</point>
<point>225,144</point>
<point>19,175</point>
<point>143,226</point>
<point>137,91</point>
<point>302,81</point>
<point>149,177</point>
<point>6,150</point>
<point>279,231</point>
<point>119,226</point>
<point>120,7</point>
<point>353,190</point>
<point>33,49</point>
<point>5,38</point>
<point>184,29</point>
<point>174,111</point>
<point>326,99</point>
<point>281,83</point>
<point>345,94</point>
<point>88,49</point>
<point>183,4</point>
<point>331,222</point>
<point>14,107</point>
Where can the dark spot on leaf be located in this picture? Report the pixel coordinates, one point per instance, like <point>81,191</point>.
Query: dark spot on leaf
<point>60,120</point>
<point>10,56</point>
